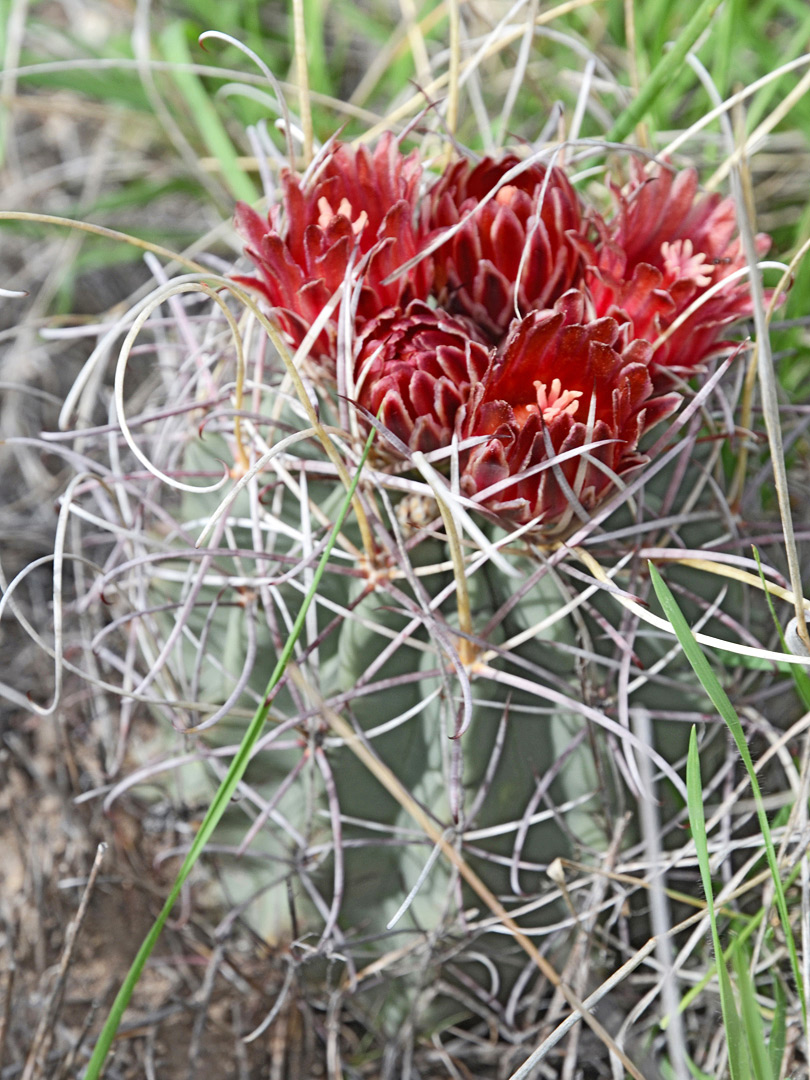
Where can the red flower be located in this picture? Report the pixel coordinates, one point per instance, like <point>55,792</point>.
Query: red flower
<point>560,383</point>
<point>354,203</point>
<point>477,271</point>
<point>662,250</point>
<point>419,367</point>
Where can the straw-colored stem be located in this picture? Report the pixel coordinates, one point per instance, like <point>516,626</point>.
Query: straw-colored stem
<point>400,44</point>
<point>466,649</point>
<point>416,39</point>
<point>633,58</point>
<point>242,463</point>
<point>302,78</point>
<point>741,184</point>
<point>746,420</point>
<point>454,70</point>
<point>797,94</point>
<point>110,234</point>
<point>417,102</point>
<point>736,574</point>
<point>747,399</point>
<point>643,612</point>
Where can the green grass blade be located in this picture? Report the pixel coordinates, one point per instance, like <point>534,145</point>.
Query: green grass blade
<point>737,1056</point>
<point>751,1018</point>
<point>222,797</point>
<point>721,702</point>
<point>737,942</point>
<point>665,71</point>
<point>206,117</point>
<point>792,45</point>
<point>776,1047</point>
<point>698,1074</point>
<point>317,60</point>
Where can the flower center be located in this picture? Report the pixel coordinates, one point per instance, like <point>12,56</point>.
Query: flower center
<point>550,403</point>
<point>682,261</point>
<point>506,194</point>
<point>344,210</point>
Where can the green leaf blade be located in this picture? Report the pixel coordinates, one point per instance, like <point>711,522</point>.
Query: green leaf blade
<point>721,702</point>
<point>737,1057</point>
<point>206,117</point>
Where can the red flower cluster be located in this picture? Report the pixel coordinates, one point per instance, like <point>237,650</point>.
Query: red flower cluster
<point>489,304</point>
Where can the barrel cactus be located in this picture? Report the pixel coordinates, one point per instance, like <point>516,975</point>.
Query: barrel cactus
<point>511,348</point>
